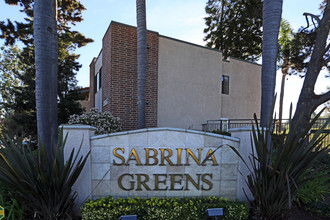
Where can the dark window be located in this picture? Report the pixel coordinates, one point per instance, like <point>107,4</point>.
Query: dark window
<point>225,84</point>
<point>98,81</point>
<point>95,84</point>
<point>100,78</point>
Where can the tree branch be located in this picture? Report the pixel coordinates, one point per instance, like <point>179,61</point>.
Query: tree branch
<point>316,17</point>
<point>326,49</point>
<point>323,98</point>
<point>326,61</point>
<point>11,2</point>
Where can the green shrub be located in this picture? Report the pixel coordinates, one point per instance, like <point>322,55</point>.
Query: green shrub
<point>218,131</point>
<point>320,208</point>
<point>162,208</point>
<point>314,189</point>
<point>43,185</point>
<point>313,194</point>
<point>105,122</point>
<point>13,209</point>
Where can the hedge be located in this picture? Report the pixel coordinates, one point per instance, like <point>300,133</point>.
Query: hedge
<point>162,208</point>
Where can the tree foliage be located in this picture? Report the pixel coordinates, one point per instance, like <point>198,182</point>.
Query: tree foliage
<point>235,28</point>
<point>295,53</point>
<point>301,50</point>
<point>311,59</point>
<point>301,44</point>
<point>17,93</point>
<point>10,70</point>
<point>23,106</point>
<point>284,59</point>
<point>284,42</point>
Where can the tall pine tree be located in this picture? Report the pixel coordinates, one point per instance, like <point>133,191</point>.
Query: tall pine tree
<point>23,106</point>
<point>235,28</point>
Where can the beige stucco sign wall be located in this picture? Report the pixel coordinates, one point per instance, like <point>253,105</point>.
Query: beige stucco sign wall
<point>156,162</point>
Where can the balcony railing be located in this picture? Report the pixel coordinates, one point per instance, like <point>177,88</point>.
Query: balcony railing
<point>226,124</point>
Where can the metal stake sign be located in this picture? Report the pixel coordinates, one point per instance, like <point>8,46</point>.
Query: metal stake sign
<point>2,212</point>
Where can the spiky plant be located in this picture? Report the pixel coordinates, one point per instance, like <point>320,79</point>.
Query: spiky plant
<point>43,185</point>
<point>275,174</point>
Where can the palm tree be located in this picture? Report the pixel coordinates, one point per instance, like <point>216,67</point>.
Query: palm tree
<point>141,59</point>
<point>272,12</point>
<point>283,58</point>
<point>46,54</point>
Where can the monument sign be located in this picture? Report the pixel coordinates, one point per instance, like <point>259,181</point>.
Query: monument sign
<point>155,162</point>
<point>163,162</point>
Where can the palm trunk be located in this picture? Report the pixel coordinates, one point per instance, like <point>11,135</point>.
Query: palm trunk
<point>141,59</point>
<point>46,53</point>
<point>285,69</point>
<point>272,11</point>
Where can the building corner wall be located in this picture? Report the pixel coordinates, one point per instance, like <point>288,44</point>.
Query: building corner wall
<point>188,84</point>
<point>244,98</point>
<point>119,69</point>
<point>91,83</point>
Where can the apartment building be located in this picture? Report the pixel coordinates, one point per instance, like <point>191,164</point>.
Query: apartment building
<point>186,84</point>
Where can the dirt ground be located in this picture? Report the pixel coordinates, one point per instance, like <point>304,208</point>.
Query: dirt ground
<point>300,214</point>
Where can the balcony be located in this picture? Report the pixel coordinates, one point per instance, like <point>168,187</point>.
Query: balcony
<point>224,125</point>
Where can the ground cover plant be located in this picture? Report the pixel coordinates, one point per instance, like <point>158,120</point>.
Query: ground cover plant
<point>162,208</point>
<point>314,195</point>
<point>41,184</point>
<point>14,210</point>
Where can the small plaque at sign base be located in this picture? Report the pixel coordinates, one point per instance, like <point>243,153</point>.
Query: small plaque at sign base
<point>2,212</point>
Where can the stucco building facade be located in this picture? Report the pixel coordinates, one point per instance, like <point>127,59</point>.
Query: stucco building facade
<point>186,84</point>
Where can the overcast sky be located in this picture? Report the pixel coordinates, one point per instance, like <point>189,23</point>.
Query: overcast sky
<point>181,19</point>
